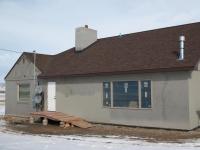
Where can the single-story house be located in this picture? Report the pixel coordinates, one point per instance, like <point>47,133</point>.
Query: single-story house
<point>148,79</point>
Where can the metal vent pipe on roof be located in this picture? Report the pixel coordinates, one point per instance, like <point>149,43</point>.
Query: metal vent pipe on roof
<point>181,52</point>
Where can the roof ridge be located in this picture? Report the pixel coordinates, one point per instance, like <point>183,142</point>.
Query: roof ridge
<point>38,53</point>
<point>156,29</point>
<point>151,50</point>
<point>68,50</point>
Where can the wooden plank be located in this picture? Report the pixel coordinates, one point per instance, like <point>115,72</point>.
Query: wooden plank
<point>67,119</point>
<point>81,124</point>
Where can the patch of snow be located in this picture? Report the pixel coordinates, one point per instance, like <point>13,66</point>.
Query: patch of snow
<point>17,141</point>
<point>2,112</point>
<point>2,109</point>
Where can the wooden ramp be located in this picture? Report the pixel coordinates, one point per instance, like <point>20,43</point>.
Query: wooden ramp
<point>61,117</point>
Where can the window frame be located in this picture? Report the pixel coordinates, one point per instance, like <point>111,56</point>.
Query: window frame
<point>112,99</point>
<point>150,93</point>
<point>23,100</point>
<point>139,95</point>
<point>103,94</point>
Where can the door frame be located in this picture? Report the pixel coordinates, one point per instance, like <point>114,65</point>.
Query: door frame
<point>48,83</point>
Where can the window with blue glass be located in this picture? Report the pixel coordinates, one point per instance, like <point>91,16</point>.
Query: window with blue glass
<point>146,94</point>
<point>125,94</point>
<point>106,94</point>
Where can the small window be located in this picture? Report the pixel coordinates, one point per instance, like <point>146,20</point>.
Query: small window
<point>106,94</point>
<point>146,94</point>
<point>24,92</point>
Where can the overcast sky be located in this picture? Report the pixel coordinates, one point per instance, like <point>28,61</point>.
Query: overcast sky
<point>47,26</point>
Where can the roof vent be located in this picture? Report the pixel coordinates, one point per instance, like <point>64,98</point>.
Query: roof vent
<point>181,50</point>
<point>120,35</point>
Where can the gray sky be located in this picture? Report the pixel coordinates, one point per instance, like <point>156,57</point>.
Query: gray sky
<point>47,26</point>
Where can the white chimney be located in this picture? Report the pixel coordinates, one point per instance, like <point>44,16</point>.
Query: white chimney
<point>84,37</point>
<point>181,51</point>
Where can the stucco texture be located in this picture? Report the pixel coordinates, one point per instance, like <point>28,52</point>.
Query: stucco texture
<point>21,73</point>
<point>174,98</point>
<point>170,100</point>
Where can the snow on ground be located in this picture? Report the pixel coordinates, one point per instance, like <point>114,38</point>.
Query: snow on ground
<point>17,141</point>
<point>2,109</point>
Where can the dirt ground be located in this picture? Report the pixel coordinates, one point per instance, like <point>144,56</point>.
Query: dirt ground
<point>148,134</point>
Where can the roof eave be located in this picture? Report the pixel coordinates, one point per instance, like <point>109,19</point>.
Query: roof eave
<point>189,68</point>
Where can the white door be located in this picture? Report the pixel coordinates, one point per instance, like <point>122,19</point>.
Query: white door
<point>51,96</point>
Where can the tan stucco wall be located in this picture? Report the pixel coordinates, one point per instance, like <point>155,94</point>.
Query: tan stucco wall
<point>194,96</point>
<point>21,73</point>
<point>170,94</point>
<point>13,106</point>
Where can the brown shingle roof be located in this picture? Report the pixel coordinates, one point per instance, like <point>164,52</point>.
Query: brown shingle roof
<point>42,60</point>
<point>147,51</point>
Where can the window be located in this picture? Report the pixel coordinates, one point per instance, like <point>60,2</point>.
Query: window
<point>24,92</point>
<point>131,94</point>
<point>146,94</point>
<point>125,94</point>
<point>106,94</point>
